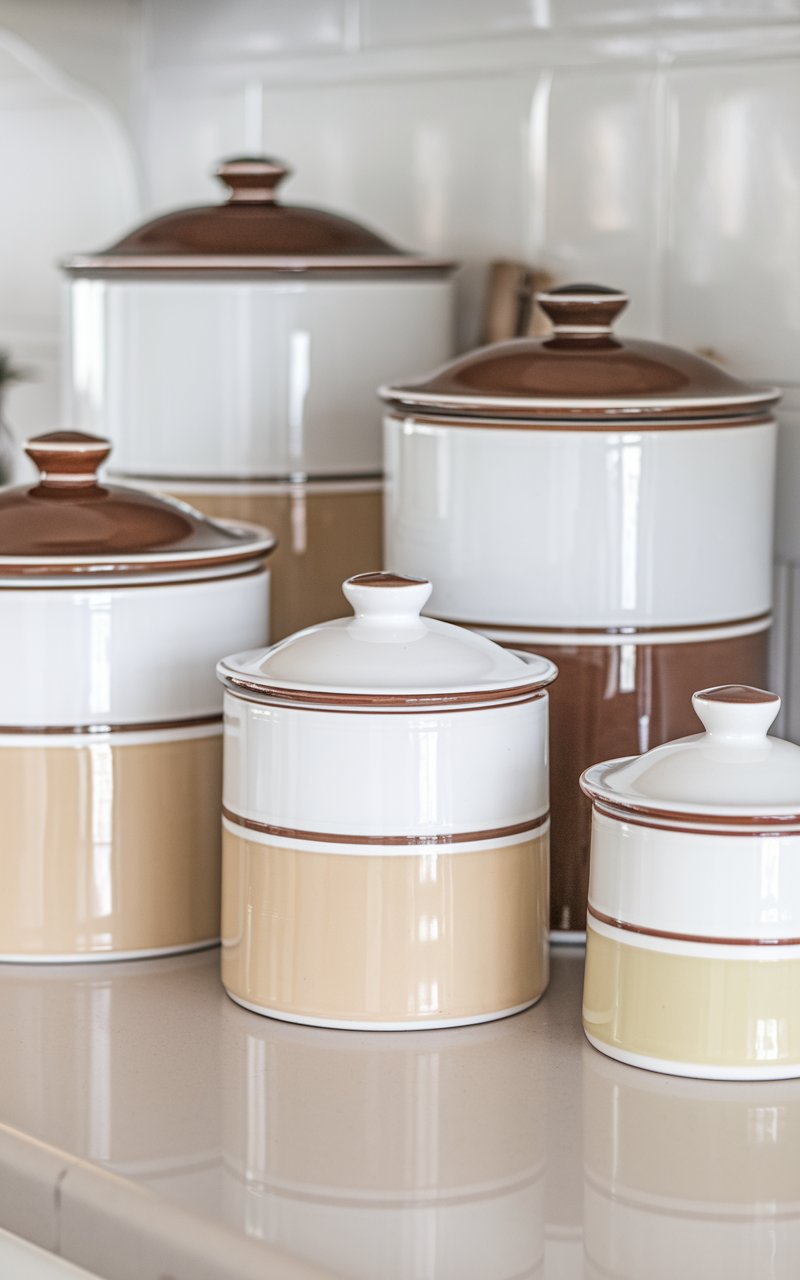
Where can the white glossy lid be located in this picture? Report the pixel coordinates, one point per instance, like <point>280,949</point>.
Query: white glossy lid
<point>387,653</point>
<point>733,769</point>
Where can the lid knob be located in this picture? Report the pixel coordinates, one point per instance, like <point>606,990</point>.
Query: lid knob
<point>386,597</point>
<point>67,457</point>
<point>252,180</point>
<point>581,311</point>
<point>736,712</point>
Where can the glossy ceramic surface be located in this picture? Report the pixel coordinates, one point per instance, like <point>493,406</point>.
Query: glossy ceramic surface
<point>70,520</point>
<point>392,937</point>
<point>394,769</point>
<point>174,371</point>
<point>87,818</point>
<point>253,231</point>
<point>581,370</point>
<point>577,529</point>
<point>387,655</point>
<point>325,532</point>
<point>681,976</point>
<point>617,693</point>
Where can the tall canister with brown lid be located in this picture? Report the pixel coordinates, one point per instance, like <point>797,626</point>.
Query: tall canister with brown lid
<point>231,352</point>
<point>606,502</point>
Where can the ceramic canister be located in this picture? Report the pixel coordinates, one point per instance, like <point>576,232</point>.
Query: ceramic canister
<point>114,605</point>
<point>607,502</point>
<point>231,352</point>
<point>693,938</point>
<point>385,800</point>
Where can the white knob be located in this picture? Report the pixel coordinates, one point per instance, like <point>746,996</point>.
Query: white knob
<point>387,597</point>
<point>736,712</point>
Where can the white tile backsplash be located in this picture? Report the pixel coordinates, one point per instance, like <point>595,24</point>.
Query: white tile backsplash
<point>417,22</point>
<point>601,185</point>
<point>733,187</point>
<point>207,31</point>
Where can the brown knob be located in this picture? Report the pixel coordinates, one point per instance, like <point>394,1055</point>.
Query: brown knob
<point>68,457</point>
<point>579,311</point>
<point>252,180</point>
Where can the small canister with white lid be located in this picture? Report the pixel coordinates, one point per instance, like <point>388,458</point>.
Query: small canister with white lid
<point>386,851</point>
<point>693,937</point>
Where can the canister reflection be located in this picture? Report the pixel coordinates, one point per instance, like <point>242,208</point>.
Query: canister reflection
<point>414,1156</point>
<point>689,1177</point>
<point>87,1074</point>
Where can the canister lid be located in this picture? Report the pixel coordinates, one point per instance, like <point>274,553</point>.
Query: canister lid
<point>733,770</point>
<point>582,371</point>
<point>72,523</point>
<point>386,656</point>
<point>252,231</point>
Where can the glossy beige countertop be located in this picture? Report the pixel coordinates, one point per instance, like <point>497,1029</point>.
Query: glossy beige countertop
<point>151,1128</point>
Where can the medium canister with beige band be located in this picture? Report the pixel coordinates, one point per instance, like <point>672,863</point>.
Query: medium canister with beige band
<point>385,844</point>
<point>114,606</point>
<point>693,937</point>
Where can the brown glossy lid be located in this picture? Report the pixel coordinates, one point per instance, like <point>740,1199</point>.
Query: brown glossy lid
<point>70,522</point>
<point>253,231</point>
<point>582,371</point>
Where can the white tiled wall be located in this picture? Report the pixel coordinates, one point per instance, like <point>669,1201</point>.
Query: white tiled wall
<point>652,144</point>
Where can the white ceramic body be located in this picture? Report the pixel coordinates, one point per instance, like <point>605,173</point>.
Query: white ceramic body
<point>267,378</point>
<point>578,527</point>
<point>123,655</point>
<point>693,948</point>
<point>385,869</point>
<point>425,774</point>
<point>111,761</point>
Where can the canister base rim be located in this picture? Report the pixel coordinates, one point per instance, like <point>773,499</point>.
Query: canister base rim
<point>106,957</point>
<point>426,1024</point>
<point>697,1071</point>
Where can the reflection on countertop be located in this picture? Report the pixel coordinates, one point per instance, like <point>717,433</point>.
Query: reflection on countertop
<point>493,1152</point>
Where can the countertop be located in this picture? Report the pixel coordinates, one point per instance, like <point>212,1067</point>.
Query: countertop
<point>152,1129</point>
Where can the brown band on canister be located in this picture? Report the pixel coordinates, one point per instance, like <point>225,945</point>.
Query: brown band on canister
<point>396,711</point>
<point>774,824</point>
<point>292,833</point>
<point>100,730</point>
<point>87,582</point>
<point>410,701</point>
<point>669,936</point>
<point>624,631</point>
<point>615,420</point>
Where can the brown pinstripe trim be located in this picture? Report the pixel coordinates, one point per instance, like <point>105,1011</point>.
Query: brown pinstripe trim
<point>311,701</point>
<point>689,937</point>
<point>613,420</point>
<point>125,566</point>
<point>532,628</point>
<point>397,711</point>
<point>88,582</point>
<point>187,483</point>
<point>566,419</point>
<point>134,266</point>
<point>292,833</point>
<point>774,823</point>
<point>101,730</point>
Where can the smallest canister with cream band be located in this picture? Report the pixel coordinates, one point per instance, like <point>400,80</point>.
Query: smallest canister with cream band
<point>385,828</point>
<point>693,938</point>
